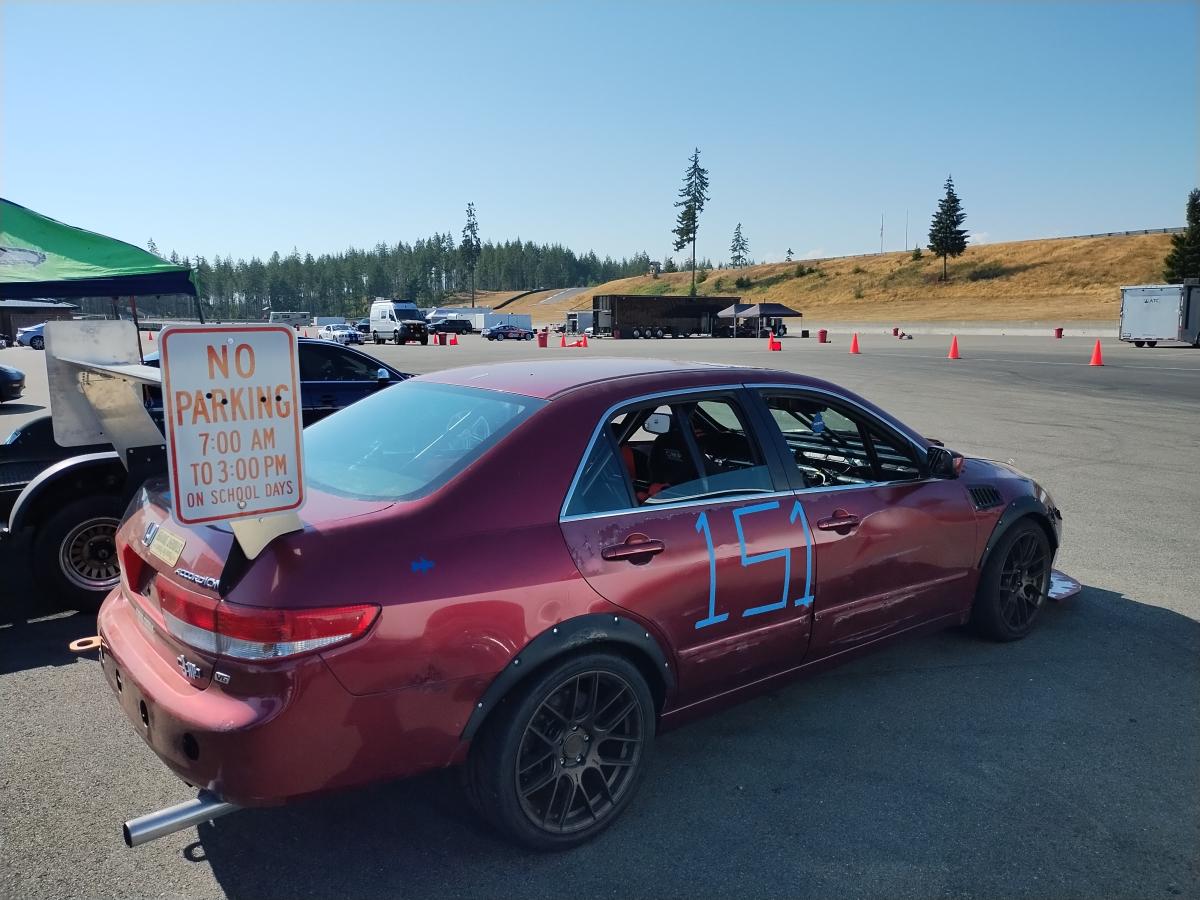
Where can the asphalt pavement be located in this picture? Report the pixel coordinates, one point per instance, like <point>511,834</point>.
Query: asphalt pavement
<point>1065,765</point>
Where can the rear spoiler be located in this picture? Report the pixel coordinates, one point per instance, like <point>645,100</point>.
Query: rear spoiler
<point>96,375</point>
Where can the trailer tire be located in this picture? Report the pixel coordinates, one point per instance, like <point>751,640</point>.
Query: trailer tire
<point>74,549</point>
<point>658,333</point>
<point>1151,344</point>
<point>1139,344</point>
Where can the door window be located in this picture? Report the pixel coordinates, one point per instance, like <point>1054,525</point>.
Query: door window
<point>831,445</point>
<point>670,453</point>
<point>324,362</point>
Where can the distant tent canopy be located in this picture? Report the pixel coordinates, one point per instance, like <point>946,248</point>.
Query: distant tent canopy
<point>758,311</point>
<point>40,257</point>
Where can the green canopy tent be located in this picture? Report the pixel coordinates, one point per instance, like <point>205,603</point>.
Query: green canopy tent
<point>40,257</point>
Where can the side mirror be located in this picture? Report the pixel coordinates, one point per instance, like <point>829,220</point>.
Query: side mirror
<point>944,463</point>
<point>383,375</point>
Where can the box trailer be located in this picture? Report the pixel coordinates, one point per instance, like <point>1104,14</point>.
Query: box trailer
<point>647,316</point>
<point>579,322</point>
<point>1160,312</point>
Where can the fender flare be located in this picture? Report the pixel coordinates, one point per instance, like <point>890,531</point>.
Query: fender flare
<point>566,637</point>
<point>51,475</point>
<point>1015,511</point>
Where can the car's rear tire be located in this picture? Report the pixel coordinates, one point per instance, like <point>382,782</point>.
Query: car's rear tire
<point>1014,584</point>
<point>37,342</point>
<point>582,729</point>
<point>75,554</point>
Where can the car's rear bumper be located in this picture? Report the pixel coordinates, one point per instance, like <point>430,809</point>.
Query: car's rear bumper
<point>296,731</point>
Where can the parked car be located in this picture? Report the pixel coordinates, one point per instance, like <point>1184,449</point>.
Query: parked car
<point>12,383</point>
<point>32,336</point>
<point>363,325</point>
<point>507,333</point>
<point>687,535</point>
<point>451,325</point>
<point>341,334</point>
<point>70,499</point>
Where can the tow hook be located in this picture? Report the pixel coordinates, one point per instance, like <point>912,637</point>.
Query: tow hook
<point>85,644</point>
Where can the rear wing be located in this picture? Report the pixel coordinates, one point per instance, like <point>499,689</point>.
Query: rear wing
<point>96,377</point>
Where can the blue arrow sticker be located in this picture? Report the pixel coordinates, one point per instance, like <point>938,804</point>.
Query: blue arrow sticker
<point>422,565</point>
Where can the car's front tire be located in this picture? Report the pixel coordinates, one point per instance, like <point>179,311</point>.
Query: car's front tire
<point>1014,584</point>
<point>75,552</point>
<point>37,342</point>
<point>563,756</point>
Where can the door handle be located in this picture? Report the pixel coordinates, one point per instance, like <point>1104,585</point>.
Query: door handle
<point>637,549</point>
<point>839,521</point>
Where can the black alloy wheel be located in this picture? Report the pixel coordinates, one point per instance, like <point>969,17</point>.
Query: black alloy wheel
<point>1023,580</point>
<point>1014,584</point>
<point>563,758</point>
<point>579,752</point>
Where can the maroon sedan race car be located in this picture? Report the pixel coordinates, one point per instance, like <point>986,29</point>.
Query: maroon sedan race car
<point>593,551</point>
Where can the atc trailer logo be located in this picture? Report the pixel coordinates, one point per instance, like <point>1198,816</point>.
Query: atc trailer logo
<point>231,398</point>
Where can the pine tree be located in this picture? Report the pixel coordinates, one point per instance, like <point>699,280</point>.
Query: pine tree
<point>470,248</point>
<point>738,249</point>
<point>788,258</point>
<point>1184,259</point>
<point>946,236</point>
<point>152,247</point>
<point>692,197</point>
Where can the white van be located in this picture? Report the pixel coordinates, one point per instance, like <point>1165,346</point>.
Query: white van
<point>398,322</point>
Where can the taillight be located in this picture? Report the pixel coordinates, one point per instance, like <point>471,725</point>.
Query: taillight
<point>251,632</point>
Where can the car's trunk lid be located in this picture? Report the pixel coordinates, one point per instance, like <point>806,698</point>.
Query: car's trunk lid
<point>164,563</point>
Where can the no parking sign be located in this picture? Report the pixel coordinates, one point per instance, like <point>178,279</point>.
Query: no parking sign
<point>231,400</point>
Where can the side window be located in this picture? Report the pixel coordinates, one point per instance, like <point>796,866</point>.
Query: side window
<point>831,446</point>
<point>325,362</point>
<point>689,450</point>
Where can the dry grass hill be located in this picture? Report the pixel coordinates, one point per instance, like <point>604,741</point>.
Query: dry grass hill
<point>1061,279</point>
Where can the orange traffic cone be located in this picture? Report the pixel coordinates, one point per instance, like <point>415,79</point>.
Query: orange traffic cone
<point>584,344</point>
<point>953,354</point>
<point>770,340</point>
<point>854,343</point>
<point>453,340</point>
<point>1097,356</point>
<point>151,336</point>
<point>562,339</point>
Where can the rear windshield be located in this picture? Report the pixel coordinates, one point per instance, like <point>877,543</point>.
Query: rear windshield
<point>409,439</point>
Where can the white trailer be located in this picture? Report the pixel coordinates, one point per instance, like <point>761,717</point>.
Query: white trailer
<point>1160,312</point>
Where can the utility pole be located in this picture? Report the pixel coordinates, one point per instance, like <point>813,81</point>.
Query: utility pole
<point>906,231</point>
<point>881,234</point>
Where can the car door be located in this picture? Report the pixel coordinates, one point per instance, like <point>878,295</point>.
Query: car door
<point>680,515</point>
<point>332,377</point>
<point>894,546</point>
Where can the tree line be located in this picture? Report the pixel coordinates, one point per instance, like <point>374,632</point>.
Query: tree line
<point>428,272</point>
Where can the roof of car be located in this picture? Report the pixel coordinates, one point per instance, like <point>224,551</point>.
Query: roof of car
<point>545,379</point>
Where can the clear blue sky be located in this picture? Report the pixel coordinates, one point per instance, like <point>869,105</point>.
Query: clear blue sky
<point>244,128</point>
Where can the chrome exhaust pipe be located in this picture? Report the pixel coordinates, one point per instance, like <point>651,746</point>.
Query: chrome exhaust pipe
<point>152,826</point>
